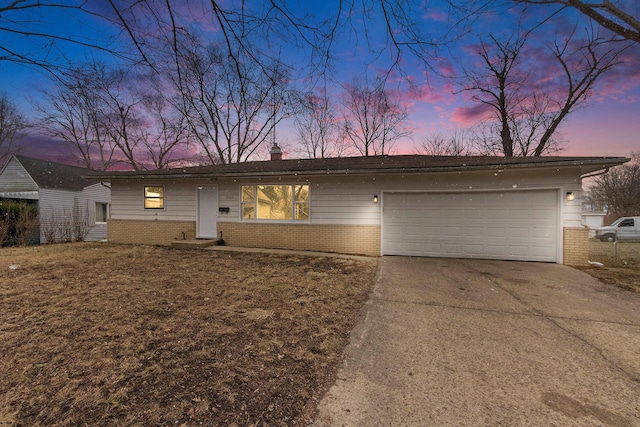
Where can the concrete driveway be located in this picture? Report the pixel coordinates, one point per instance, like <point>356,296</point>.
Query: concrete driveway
<point>489,343</point>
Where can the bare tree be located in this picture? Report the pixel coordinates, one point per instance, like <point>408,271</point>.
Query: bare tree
<point>261,31</point>
<point>620,17</point>
<point>437,144</point>
<point>232,106</point>
<point>13,125</point>
<point>582,66</point>
<point>166,134</point>
<point>373,122</point>
<point>318,127</point>
<point>72,112</point>
<point>121,117</point>
<point>27,37</point>
<point>617,191</point>
<point>110,116</point>
<point>527,115</point>
<point>496,86</point>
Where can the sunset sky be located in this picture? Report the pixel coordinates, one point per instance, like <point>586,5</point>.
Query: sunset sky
<point>607,125</point>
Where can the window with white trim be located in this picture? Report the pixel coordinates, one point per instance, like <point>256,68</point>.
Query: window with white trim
<point>154,197</point>
<point>102,212</point>
<point>275,202</point>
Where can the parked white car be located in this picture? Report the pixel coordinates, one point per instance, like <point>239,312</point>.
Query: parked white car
<point>626,228</point>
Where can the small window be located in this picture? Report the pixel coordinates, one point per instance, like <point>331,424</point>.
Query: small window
<point>154,197</point>
<point>102,212</point>
<point>626,223</point>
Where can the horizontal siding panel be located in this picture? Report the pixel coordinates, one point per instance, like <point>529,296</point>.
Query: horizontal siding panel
<point>355,215</point>
<point>91,195</point>
<point>15,178</point>
<point>98,193</point>
<point>58,200</point>
<point>97,232</point>
<point>350,204</point>
<point>343,221</point>
<point>58,206</point>
<point>55,205</point>
<point>128,201</point>
<point>341,199</point>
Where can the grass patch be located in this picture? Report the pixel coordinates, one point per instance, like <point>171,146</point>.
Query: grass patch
<point>622,263</point>
<point>100,334</point>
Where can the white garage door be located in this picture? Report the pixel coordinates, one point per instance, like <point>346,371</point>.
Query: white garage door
<point>510,225</point>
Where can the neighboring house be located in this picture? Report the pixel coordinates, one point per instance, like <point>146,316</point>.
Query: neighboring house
<point>593,220</point>
<point>63,195</point>
<point>469,207</point>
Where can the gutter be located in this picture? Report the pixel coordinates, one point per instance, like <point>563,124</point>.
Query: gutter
<point>596,173</point>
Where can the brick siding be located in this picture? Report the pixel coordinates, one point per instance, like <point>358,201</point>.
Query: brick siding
<point>575,245</point>
<point>346,239</point>
<point>149,232</point>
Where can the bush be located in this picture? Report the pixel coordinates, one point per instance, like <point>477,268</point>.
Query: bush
<point>19,224</point>
<point>66,226</point>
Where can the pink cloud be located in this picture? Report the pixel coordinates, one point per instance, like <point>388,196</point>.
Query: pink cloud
<point>433,94</point>
<point>622,79</point>
<point>447,69</point>
<point>466,116</point>
<point>435,14</point>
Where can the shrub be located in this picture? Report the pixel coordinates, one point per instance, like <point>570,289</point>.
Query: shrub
<point>19,223</point>
<point>66,226</point>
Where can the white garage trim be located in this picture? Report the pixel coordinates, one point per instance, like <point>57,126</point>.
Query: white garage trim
<point>519,225</point>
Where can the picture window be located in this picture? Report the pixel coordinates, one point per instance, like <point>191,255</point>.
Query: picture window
<point>275,202</point>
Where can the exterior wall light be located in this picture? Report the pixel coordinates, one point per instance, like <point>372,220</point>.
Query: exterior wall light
<point>375,198</point>
<point>570,196</point>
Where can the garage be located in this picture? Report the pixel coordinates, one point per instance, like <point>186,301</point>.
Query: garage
<point>506,225</point>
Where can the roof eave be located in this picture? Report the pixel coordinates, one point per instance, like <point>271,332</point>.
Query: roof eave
<point>586,165</point>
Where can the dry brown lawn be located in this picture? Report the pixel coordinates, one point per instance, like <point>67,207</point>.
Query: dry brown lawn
<point>109,335</point>
<point>621,263</point>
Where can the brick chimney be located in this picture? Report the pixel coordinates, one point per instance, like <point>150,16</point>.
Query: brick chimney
<point>276,152</point>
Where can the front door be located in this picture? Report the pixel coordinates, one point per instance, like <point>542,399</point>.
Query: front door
<point>207,211</point>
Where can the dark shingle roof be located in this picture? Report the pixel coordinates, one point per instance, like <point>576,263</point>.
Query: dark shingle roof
<point>372,164</point>
<point>57,176</point>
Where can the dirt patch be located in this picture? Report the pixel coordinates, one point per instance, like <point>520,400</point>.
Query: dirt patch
<point>99,334</point>
<point>621,263</point>
<point>574,409</point>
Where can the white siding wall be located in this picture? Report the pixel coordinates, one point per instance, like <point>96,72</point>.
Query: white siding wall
<point>15,178</point>
<point>345,200</point>
<point>54,205</point>
<point>127,200</point>
<point>64,203</point>
<point>90,196</point>
<point>349,199</point>
<point>229,197</point>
